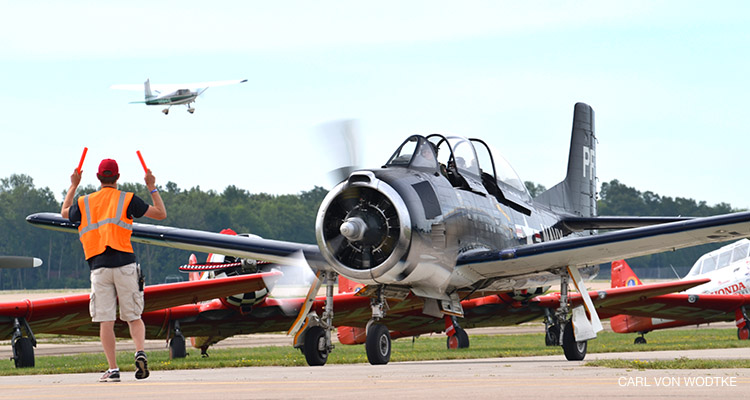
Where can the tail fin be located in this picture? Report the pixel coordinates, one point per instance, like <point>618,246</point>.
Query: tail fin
<point>577,193</point>
<point>147,89</point>
<point>193,276</point>
<point>623,275</point>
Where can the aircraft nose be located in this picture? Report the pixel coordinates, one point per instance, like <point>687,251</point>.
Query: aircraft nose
<point>353,229</point>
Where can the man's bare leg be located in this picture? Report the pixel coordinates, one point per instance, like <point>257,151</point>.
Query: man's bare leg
<point>107,337</point>
<point>138,333</point>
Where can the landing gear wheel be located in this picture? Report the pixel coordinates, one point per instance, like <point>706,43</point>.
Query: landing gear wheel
<point>165,111</point>
<point>552,336</point>
<point>177,347</point>
<point>378,345</point>
<point>574,351</point>
<point>743,333</point>
<point>23,353</point>
<point>191,110</point>
<point>639,340</point>
<point>315,346</point>
<point>459,340</point>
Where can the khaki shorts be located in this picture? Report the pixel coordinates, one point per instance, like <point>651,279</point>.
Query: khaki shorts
<point>108,285</point>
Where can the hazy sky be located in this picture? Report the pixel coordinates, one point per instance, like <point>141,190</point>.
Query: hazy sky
<point>667,80</point>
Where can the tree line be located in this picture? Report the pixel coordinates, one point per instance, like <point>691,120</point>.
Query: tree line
<point>282,217</point>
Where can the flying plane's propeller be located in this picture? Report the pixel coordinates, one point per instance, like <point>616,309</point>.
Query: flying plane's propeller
<point>19,262</point>
<point>341,141</point>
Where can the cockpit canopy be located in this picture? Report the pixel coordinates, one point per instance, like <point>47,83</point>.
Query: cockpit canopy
<point>472,159</point>
<point>721,258</point>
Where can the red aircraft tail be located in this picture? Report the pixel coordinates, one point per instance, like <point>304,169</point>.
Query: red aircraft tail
<point>622,275</point>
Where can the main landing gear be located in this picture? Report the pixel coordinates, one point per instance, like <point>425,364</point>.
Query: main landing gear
<point>177,343</point>
<point>315,341</point>
<point>640,339</point>
<point>378,343</point>
<point>559,328</point>
<point>459,339</point>
<point>23,346</point>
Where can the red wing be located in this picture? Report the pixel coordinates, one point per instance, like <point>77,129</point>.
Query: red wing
<point>70,314</point>
<point>613,301</point>
<point>687,307</point>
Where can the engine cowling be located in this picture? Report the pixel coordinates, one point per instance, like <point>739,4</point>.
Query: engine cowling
<point>363,229</point>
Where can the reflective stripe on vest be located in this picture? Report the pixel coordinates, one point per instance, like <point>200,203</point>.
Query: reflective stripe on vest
<point>116,220</point>
<point>104,222</point>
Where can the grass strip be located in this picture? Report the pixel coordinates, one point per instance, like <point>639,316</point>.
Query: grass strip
<point>420,349</point>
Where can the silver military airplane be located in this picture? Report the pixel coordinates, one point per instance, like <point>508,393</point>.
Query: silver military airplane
<point>446,219</point>
<point>171,94</point>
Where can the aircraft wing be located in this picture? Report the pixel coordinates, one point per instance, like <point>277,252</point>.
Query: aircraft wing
<point>521,260</point>
<point>19,262</point>
<point>70,314</point>
<point>274,251</point>
<point>170,87</point>
<point>596,249</point>
<point>686,307</point>
<point>613,301</point>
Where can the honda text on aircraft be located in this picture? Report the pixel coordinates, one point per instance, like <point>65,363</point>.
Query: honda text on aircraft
<point>171,94</point>
<point>445,220</point>
<point>725,298</point>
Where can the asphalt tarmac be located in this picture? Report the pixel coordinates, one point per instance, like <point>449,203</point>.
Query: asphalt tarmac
<point>524,377</point>
<point>544,376</point>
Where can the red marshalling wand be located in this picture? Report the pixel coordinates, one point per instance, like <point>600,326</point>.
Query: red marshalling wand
<point>83,156</point>
<point>143,163</point>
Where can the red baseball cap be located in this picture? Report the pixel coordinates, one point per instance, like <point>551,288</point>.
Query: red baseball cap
<point>108,167</point>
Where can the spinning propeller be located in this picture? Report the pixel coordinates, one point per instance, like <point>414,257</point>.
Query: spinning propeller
<point>341,141</point>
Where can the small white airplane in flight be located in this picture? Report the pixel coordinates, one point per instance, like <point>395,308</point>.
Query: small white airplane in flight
<point>171,94</point>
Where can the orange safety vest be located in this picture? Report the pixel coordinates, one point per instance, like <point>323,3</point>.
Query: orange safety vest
<point>104,222</point>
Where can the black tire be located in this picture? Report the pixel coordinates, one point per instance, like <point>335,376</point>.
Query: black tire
<point>24,353</point>
<point>315,346</point>
<point>639,340</point>
<point>459,340</point>
<point>177,347</point>
<point>552,336</point>
<point>574,351</point>
<point>378,345</point>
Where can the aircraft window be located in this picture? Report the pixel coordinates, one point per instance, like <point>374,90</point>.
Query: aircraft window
<point>506,173</point>
<point>709,264</point>
<point>402,156</point>
<point>724,259</point>
<point>463,153</point>
<point>740,252</point>
<point>425,158</point>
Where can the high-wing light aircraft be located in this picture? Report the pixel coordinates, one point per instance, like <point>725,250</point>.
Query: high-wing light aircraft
<point>447,219</point>
<point>171,94</point>
<point>725,298</point>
